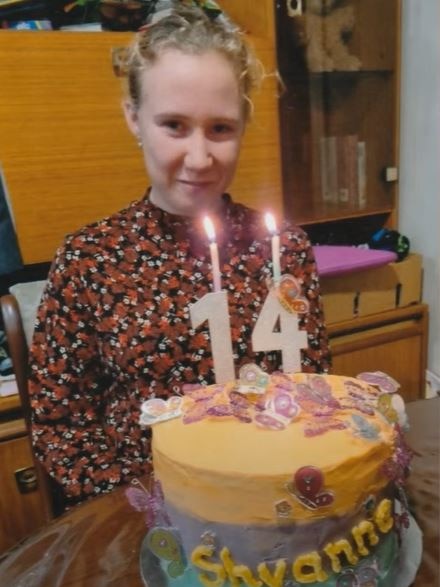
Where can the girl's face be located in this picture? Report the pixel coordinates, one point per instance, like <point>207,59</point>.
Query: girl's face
<point>190,122</point>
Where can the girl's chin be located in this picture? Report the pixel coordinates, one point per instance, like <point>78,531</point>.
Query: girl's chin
<point>195,202</point>
<point>188,202</point>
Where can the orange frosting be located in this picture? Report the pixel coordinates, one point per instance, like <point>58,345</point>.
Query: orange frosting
<point>228,471</point>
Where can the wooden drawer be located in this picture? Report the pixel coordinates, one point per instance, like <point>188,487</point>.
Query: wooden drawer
<point>20,513</point>
<point>393,342</point>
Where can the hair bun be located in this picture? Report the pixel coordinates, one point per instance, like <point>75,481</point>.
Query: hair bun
<point>164,8</point>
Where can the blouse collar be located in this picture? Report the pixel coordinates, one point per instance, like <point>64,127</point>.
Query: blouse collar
<point>232,223</point>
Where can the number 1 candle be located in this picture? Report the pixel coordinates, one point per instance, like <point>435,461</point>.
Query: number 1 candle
<point>213,308</point>
<point>209,227</point>
<point>272,228</point>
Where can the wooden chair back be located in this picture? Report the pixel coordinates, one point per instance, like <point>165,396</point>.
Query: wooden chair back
<point>18,349</point>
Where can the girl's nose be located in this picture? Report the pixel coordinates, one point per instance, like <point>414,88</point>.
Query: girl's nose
<point>198,155</point>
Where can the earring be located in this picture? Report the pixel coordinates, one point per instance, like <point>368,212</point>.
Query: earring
<point>139,142</point>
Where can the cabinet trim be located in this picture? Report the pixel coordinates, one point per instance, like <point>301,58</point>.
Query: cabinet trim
<point>417,312</point>
<point>339,347</point>
<point>12,429</point>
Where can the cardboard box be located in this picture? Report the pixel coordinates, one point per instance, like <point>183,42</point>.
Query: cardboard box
<point>372,291</point>
<point>340,297</point>
<point>410,277</point>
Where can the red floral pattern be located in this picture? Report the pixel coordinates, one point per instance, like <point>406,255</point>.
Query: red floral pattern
<point>113,330</point>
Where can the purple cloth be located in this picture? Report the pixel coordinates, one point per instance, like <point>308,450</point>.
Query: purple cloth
<point>335,259</point>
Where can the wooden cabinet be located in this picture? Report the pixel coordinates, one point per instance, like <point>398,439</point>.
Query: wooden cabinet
<point>339,118</point>
<point>394,342</point>
<point>22,509</point>
<point>327,111</point>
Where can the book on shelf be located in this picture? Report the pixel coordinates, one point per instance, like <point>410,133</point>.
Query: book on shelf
<point>309,159</point>
<point>343,170</point>
<point>347,169</point>
<point>362,173</point>
<point>329,178</point>
<point>317,130</point>
<point>27,25</point>
<point>91,27</point>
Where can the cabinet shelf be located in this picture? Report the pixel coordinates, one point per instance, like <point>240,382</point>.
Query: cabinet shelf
<point>294,76</point>
<point>336,213</point>
<point>339,129</point>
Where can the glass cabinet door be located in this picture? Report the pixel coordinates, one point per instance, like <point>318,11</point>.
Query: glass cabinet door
<point>338,108</point>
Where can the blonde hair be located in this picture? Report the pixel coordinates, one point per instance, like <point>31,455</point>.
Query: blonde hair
<point>191,31</point>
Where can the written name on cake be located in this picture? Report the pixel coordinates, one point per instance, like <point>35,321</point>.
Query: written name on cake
<point>306,568</point>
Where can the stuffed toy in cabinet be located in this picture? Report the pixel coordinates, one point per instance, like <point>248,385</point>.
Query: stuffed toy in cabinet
<point>322,29</point>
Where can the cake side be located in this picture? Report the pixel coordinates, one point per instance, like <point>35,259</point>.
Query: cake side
<point>312,552</point>
<point>214,458</point>
<point>211,493</point>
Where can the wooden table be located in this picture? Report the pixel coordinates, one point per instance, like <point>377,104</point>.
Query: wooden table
<point>97,544</point>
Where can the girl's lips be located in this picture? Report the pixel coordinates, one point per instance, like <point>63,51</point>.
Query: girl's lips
<point>197,184</point>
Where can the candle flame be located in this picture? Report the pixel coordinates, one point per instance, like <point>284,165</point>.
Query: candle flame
<point>209,228</point>
<point>270,223</point>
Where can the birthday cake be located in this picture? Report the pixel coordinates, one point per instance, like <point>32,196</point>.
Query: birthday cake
<point>280,480</point>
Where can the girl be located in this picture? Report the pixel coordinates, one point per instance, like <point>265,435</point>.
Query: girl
<point>113,328</point>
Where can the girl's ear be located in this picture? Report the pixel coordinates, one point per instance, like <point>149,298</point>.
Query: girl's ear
<point>131,116</point>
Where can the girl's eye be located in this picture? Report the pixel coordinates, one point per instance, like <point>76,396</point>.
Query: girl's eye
<point>173,125</point>
<point>222,128</point>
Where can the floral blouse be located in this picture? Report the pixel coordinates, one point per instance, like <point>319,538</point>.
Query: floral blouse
<point>113,329</point>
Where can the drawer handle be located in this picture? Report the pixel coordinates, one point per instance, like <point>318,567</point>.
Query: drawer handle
<point>26,479</point>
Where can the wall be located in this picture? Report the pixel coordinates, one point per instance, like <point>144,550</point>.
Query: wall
<point>419,215</point>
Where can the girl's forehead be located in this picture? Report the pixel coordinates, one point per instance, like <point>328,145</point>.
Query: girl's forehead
<point>174,62</point>
<point>187,79</point>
